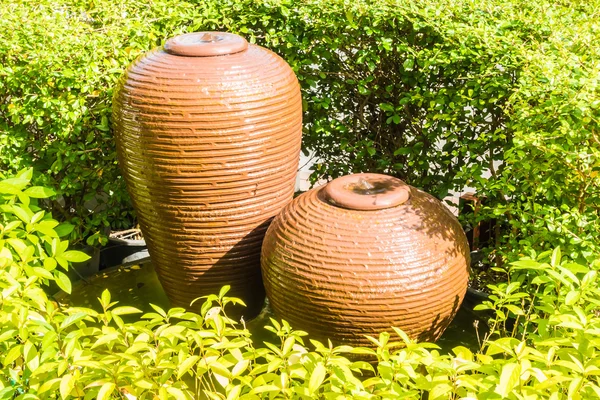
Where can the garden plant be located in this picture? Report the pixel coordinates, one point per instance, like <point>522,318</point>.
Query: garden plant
<point>501,96</point>
<point>542,343</point>
<point>497,95</point>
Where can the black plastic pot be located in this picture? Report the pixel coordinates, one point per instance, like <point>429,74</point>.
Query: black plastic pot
<point>123,252</point>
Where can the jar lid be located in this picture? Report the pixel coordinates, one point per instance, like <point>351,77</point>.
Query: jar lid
<point>366,192</point>
<point>205,44</point>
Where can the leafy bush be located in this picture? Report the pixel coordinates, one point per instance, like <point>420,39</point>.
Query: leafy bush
<point>59,61</point>
<point>31,245</point>
<point>549,187</point>
<point>436,93</point>
<point>501,96</point>
<point>47,350</point>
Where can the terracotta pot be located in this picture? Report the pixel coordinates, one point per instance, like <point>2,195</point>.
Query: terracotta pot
<point>208,134</point>
<point>362,254</point>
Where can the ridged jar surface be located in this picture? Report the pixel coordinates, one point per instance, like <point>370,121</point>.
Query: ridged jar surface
<point>342,274</point>
<point>209,148</point>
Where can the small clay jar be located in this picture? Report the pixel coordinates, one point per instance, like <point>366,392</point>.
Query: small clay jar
<point>208,134</point>
<point>362,254</point>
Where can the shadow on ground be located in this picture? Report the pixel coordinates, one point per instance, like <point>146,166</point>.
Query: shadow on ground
<point>138,286</point>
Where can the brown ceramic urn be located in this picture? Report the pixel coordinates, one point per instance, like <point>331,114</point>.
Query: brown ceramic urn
<point>208,134</point>
<point>362,254</point>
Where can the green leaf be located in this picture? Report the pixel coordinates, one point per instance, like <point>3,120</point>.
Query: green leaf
<point>72,319</point>
<point>159,310</point>
<point>240,367</point>
<point>24,199</point>
<point>234,392</point>
<point>19,245</point>
<point>126,310</point>
<point>75,256</point>
<point>514,309</point>
<point>363,350</point>
<point>287,345</point>
<point>574,387</point>
<point>37,216</point>
<point>224,291</point>
<point>42,273</point>
<point>316,378</point>
<point>64,229</point>
<point>105,391</point>
<point>527,264</point>
<point>54,248</point>
<point>105,298</point>
<point>559,277</point>
<point>62,281</point>
<point>22,214</point>
<point>177,393</point>
<point>107,338</point>
<point>402,335</point>
<point>7,188</point>
<point>186,365</point>
<point>386,107</point>
<point>13,354</point>
<point>39,192</point>
<point>50,264</point>
<point>402,151</point>
<point>17,183</point>
<point>49,385</point>
<point>12,225</point>
<point>67,384</point>
<point>45,229</point>
<point>509,379</point>
<point>441,390</point>
<point>8,393</point>
<point>572,297</point>
<point>219,368</point>
<point>555,261</point>
<point>25,174</point>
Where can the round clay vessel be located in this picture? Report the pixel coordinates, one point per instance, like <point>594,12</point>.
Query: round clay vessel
<point>362,254</point>
<point>208,134</point>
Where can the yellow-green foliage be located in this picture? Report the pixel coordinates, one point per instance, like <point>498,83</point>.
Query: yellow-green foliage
<point>50,351</point>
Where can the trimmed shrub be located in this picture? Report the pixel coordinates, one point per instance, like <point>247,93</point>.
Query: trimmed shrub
<point>59,62</point>
<point>500,96</point>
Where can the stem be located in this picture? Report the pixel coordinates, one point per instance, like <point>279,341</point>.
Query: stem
<point>529,313</point>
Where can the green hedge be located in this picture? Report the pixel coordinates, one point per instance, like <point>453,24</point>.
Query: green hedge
<point>59,61</point>
<point>436,93</point>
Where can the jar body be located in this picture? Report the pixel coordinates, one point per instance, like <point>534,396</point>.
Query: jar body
<point>209,148</point>
<point>341,274</point>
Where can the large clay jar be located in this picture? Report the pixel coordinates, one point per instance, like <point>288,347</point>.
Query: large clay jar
<point>208,134</point>
<point>363,254</point>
